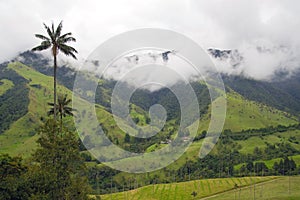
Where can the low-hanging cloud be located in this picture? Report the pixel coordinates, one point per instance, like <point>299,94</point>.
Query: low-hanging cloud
<point>265,33</point>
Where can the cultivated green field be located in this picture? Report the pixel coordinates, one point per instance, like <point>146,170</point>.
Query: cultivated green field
<point>283,188</point>
<point>203,188</point>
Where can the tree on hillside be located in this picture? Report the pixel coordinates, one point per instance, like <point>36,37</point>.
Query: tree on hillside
<point>57,170</point>
<point>62,106</point>
<point>57,42</point>
<point>12,185</point>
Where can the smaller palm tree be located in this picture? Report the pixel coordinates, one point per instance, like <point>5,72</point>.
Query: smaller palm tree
<point>62,107</point>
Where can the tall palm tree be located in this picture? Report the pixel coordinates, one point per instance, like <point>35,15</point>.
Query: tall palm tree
<point>62,106</point>
<point>57,42</point>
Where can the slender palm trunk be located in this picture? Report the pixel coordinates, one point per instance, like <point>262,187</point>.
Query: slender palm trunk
<point>61,116</point>
<point>54,85</point>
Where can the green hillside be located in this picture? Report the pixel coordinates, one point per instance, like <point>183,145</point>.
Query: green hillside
<point>289,137</point>
<point>248,125</point>
<point>212,189</point>
<point>244,114</point>
<point>5,85</point>
<point>20,138</point>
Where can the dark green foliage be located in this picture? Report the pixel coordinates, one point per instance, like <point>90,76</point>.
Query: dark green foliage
<point>86,156</point>
<point>62,108</point>
<point>12,184</point>
<point>245,134</point>
<point>101,179</point>
<point>58,170</point>
<point>165,97</point>
<point>14,102</point>
<point>286,166</point>
<point>127,138</point>
<point>260,167</point>
<point>194,194</point>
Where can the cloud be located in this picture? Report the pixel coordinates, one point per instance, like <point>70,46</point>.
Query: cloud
<point>226,24</point>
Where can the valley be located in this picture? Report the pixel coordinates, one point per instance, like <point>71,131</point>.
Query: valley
<point>255,134</point>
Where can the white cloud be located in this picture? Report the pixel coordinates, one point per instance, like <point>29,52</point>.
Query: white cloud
<point>224,24</point>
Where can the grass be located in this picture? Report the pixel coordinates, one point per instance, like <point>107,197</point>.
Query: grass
<point>284,188</point>
<point>249,144</point>
<point>270,163</point>
<point>243,114</point>
<point>5,85</point>
<point>184,190</point>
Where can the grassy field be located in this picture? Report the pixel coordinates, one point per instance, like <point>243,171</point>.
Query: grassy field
<point>249,144</point>
<point>284,188</point>
<point>243,114</point>
<point>5,85</point>
<point>184,190</point>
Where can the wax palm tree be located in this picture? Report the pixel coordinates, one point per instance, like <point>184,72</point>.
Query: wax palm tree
<point>62,107</point>
<point>57,42</point>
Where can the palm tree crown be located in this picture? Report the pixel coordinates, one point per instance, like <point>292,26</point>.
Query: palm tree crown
<point>56,41</point>
<point>62,107</point>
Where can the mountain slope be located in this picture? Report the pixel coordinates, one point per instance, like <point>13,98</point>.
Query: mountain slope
<point>275,94</point>
<point>241,113</point>
<point>13,100</point>
<point>20,137</point>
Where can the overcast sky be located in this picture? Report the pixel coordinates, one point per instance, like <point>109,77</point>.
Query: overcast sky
<point>272,25</point>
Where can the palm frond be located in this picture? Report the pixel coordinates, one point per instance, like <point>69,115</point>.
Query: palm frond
<point>42,37</point>
<point>68,50</point>
<point>52,29</point>
<point>66,39</point>
<point>51,35</point>
<point>44,45</point>
<point>58,30</point>
<point>50,112</point>
<point>69,113</point>
<point>68,101</point>
<point>68,109</point>
<point>50,104</point>
<point>65,35</point>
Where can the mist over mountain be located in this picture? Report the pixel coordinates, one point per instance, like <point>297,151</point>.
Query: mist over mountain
<point>280,92</point>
